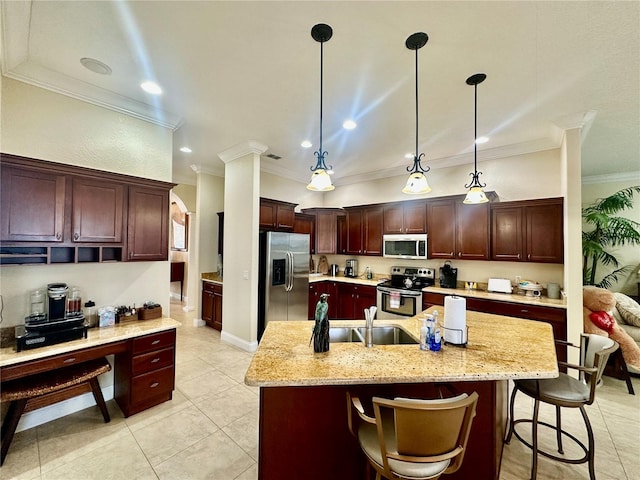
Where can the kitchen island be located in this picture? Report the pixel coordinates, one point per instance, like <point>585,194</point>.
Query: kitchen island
<point>303,408</point>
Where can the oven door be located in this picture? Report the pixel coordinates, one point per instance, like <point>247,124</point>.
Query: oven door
<point>398,303</point>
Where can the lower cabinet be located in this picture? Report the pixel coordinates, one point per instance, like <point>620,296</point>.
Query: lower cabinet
<point>212,304</point>
<point>318,288</point>
<point>346,300</point>
<point>145,374</point>
<point>557,317</point>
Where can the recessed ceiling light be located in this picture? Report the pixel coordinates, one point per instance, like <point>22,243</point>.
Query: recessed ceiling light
<point>151,87</point>
<point>185,150</point>
<point>306,144</point>
<point>349,124</point>
<point>480,140</point>
<point>96,66</point>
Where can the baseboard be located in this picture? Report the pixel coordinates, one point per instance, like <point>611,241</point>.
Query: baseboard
<point>198,322</point>
<point>239,342</point>
<point>61,409</point>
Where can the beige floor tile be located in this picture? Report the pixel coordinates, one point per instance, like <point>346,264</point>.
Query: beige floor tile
<point>209,383</point>
<point>244,431</point>
<point>250,473</point>
<point>68,438</point>
<point>115,461</point>
<point>22,460</point>
<point>229,405</point>
<point>140,420</point>
<point>216,457</point>
<point>173,434</point>
<point>193,368</point>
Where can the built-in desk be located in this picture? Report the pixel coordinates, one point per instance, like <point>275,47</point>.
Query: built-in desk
<point>144,370</point>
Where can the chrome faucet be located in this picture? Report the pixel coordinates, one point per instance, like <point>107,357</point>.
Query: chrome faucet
<point>369,316</point>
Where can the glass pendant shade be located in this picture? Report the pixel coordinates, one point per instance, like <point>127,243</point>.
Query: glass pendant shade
<point>416,184</point>
<point>320,181</point>
<point>475,195</point>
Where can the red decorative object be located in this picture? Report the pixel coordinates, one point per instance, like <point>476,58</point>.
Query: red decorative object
<point>602,320</point>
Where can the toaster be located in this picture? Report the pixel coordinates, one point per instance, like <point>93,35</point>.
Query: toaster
<point>500,285</point>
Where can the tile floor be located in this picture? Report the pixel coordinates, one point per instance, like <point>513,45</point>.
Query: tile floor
<point>209,429</point>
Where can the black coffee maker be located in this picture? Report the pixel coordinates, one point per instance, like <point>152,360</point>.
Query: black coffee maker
<point>448,276</point>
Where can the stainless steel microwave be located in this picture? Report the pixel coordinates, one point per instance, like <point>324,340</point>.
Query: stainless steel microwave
<point>405,246</point>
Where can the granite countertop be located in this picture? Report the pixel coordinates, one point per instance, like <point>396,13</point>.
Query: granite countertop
<point>95,337</point>
<point>499,348</point>
<point>319,277</point>
<point>501,297</point>
<point>212,277</point>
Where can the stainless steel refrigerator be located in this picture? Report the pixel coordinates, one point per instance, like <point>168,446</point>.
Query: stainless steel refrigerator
<point>283,288</point>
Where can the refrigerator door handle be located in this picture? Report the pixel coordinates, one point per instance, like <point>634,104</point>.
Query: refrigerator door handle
<point>289,285</point>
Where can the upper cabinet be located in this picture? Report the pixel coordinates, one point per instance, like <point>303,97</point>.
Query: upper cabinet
<point>457,230</point>
<point>57,213</point>
<point>305,223</point>
<point>405,217</point>
<point>148,228</point>
<point>364,230</point>
<point>276,215</point>
<point>33,205</point>
<point>528,231</point>
<point>326,229</point>
<point>97,211</point>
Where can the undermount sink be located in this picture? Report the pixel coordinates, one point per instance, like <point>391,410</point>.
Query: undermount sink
<point>382,335</point>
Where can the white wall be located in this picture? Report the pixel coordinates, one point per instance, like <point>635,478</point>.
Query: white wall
<point>278,188</point>
<point>627,255</point>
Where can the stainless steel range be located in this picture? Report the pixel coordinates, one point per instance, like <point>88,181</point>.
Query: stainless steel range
<point>401,297</point>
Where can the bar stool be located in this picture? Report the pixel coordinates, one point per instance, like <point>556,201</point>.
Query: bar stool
<point>20,391</point>
<point>411,438</point>
<point>565,391</point>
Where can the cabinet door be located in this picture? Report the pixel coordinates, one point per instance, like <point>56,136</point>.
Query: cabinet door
<point>472,231</point>
<point>285,215</point>
<point>346,301</point>
<point>372,232</point>
<point>306,224</point>
<point>268,215</point>
<point>544,235</point>
<point>207,303</point>
<point>341,241</point>
<point>148,228</point>
<point>216,321</point>
<point>365,297</point>
<point>32,206</point>
<point>355,225</point>
<point>415,217</point>
<point>326,232</point>
<point>314,296</point>
<point>506,234</point>
<point>441,229</point>
<point>97,211</point>
<point>393,221</point>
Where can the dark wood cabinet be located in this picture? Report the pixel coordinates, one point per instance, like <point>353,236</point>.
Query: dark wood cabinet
<point>145,374</point>
<point>98,209</point>
<point>33,205</point>
<point>326,229</point>
<point>405,217</point>
<point>528,231</point>
<point>304,223</point>
<point>318,288</point>
<point>148,224</point>
<point>364,230</point>
<point>353,300</point>
<point>341,226</point>
<point>212,305</point>
<point>457,230</point>
<point>276,215</point>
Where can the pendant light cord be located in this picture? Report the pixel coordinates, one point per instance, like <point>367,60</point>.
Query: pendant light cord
<point>321,75</point>
<point>475,128</point>
<point>416,150</point>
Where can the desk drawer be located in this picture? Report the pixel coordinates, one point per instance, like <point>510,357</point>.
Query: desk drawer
<point>152,384</point>
<point>152,361</point>
<point>155,341</point>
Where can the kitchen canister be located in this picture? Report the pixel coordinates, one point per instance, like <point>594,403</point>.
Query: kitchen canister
<point>553,290</point>
<point>455,320</point>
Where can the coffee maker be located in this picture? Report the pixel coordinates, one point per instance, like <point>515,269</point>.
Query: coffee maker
<point>351,268</point>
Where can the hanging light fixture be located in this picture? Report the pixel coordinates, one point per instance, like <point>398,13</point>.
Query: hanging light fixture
<point>417,182</point>
<point>320,180</point>
<point>475,193</point>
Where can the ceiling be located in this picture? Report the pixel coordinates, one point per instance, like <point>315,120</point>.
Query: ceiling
<point>238,71</point>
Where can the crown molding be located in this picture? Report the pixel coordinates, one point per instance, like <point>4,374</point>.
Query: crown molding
<point>612,177</point>
<point>242,149</point>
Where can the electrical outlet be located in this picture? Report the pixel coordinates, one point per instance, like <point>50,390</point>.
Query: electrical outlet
<point>245,274</point>
<point>518,279</point>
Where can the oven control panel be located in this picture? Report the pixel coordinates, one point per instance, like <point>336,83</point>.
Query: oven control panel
<point>413,272</point>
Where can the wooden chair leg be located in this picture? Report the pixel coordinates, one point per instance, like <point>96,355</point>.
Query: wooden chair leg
<point>10,424</point>
<point>97,394</point>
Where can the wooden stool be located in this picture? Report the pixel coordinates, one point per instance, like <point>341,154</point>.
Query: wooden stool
<point>20,391</point>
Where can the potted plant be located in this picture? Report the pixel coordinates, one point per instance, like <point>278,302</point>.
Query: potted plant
<point>608,231</point>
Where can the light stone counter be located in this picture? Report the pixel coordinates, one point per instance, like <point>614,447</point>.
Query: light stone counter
<point>317,277</point>
<point>95,337</point>
<point>211,277</point>
<point>499,348</point>
<point>501,297</point>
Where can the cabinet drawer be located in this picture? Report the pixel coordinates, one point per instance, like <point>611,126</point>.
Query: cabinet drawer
<point>432,299</point>
<point>155,341</point>
<point>152,384</point>
<point>152,361</point>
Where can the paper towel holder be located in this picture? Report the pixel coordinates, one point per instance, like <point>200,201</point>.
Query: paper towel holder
<point>464,345</point>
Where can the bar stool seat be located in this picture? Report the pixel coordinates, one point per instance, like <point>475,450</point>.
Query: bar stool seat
<point>21,390</point>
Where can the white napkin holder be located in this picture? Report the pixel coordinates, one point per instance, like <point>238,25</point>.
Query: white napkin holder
<point>455,320</point>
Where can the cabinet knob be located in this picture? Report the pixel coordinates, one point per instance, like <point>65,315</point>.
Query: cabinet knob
<point>76,236</point>
<point>58,236</point>
<point>518,256</point>
<point>154,385</point>
<point>451,254</point>
<point>70,360</point>
<point>459,254</point>
<point>529,257</point>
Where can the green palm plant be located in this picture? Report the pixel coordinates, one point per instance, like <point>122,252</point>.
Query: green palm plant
<point>608,231</point>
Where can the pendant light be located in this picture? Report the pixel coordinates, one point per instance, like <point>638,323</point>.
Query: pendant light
<point>320,180</point>
<point>475,193</point>
<point>417,182</point>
